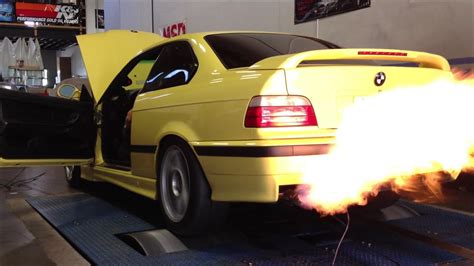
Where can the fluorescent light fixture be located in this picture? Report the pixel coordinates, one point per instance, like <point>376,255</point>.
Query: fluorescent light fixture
<point>30,23</point>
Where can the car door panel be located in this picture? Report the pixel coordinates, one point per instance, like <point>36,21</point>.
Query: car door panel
<point>34,127</point>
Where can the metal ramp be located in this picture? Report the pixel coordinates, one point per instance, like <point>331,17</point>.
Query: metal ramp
<point>154,243</point>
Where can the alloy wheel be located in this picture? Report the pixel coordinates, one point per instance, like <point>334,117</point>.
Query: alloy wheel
<point>175,184</point>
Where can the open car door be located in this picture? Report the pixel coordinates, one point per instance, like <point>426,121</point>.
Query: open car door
<point>41,130</point>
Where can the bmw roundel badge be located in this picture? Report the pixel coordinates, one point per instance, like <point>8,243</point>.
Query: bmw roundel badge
<point>380,79</point>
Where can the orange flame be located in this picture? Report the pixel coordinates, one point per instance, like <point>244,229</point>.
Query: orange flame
<point>407,139</point>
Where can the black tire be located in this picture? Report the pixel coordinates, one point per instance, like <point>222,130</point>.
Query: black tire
<point>183,182</point>
<point>73,176</point>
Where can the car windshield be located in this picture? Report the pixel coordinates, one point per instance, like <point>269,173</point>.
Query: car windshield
<point>245,49</point>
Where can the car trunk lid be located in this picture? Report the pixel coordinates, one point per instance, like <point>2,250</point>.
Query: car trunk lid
<point>334,79</point>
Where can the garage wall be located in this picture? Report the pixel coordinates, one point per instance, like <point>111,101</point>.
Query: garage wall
<point>91,6</point>
<point>49,62</point>
<point>439,26</point>
<point>77,65</point>
<point>128,14</point>
<point>212,15</point>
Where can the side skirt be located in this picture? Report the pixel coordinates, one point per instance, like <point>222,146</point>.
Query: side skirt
<point>137,184</point>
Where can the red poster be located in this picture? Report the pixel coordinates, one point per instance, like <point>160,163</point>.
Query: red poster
<point>46,13</point>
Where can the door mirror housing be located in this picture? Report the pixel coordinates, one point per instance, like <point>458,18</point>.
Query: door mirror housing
<point>68,91</point>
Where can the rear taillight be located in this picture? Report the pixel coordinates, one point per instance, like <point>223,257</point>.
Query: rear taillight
<point>280,111</point>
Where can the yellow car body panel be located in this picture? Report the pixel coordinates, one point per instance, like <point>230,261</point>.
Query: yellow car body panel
<point>190,112</point>
<point>46,162</point>
<point>257,179</point>
<point>208,113</point>
<point>292,61</point>
<point>329,104</point>
<point>105,54</point>
<point>137,184</point>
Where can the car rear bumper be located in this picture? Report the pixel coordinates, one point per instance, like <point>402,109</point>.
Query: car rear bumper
<point>254,172</point>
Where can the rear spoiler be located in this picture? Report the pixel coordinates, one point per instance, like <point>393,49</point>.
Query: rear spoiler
<point>289,61</point>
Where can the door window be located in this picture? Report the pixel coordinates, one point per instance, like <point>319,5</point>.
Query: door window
<point>175,66</point>
<point>134,74</point>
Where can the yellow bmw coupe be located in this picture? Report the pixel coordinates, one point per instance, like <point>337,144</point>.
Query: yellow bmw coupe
<point>201,119</point>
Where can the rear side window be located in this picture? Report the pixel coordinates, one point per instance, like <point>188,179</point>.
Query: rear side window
<point>245,49</point>
<point>175,66</point>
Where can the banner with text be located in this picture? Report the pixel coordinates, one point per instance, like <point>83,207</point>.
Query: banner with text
<point>173,30</point>
<point>47,14</point>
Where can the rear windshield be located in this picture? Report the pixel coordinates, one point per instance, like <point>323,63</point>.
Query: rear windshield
<point>245,49</point>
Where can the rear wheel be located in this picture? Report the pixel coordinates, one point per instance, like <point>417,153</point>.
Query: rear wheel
<point>73,175</point>
<point>185,195</point>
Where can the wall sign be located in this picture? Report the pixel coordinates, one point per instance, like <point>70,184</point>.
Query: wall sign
<point>307,10</point>
<point>173,30</point>
<point>7,11</point>
<point>48,14</point>
<point>99,19</point>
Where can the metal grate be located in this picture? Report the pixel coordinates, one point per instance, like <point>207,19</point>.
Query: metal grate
<point>91,225</point>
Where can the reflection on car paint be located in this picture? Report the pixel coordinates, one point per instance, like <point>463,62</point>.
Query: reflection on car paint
<point>154,78</point>
<point>177,71</point>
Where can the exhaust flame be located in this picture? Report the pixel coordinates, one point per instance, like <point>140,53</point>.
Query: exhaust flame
<point>407,140</point>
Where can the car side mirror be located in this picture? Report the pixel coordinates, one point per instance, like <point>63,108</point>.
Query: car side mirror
<point>67,91</point>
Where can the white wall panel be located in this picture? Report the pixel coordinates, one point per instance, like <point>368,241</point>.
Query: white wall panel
<point>91,6</point>
<point>128,14</point>
<point>439,26</point>
<point>135,15</point>
<point>215,15</point>
<point>112,14</point>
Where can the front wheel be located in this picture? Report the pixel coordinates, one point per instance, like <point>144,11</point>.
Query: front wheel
<point>73,175</point>
<point>185,195</point>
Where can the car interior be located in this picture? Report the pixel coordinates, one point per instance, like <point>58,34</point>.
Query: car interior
<point>115,134</point>
<point>177,66</point>
<point>116,103</point>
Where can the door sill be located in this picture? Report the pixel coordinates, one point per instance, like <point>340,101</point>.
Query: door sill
<point>116,166</point>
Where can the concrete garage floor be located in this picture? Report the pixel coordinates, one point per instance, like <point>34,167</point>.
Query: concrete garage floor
<point>27,239</point>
